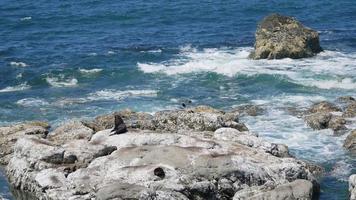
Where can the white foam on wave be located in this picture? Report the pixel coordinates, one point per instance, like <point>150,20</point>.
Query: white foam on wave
<point>62,82</point>
<point>110,94</point>
<point>280,127</point>
<point>32,102</point>
<point>26,18</point>
<point>329,69</point>
<point>90,71</point>
<point>345,83</point>
<point>341,170</point>
<point>18,64</point>
<point>20,87</point>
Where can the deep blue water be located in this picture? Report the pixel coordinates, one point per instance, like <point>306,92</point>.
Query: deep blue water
<point>77,59</point>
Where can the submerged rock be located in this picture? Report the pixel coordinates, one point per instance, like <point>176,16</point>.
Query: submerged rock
<point>198,153</point>
<point>280,36</point>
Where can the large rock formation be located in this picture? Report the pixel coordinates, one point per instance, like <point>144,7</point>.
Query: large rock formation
<point>172,159</point>
<point>280,36</point>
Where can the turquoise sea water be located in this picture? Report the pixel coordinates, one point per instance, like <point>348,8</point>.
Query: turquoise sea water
<point>78,59</point>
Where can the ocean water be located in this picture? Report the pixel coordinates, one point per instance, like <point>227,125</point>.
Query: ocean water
<point>63,60</point>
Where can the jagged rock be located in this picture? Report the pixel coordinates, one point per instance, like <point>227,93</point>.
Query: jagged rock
<point>132,120</point>
<point>345,99</point>
<point>320,116</point>
<point>200,118</point>
<point>350,110</point>
<point>280,36</point>
<point>352,187</point>
<point>324,106</point>
<point>10,134</point>
<point>194,166</point>
<point>318,121</point>
<point>350,141</point>
<point>250,110</point>
<point>70,131</point>
<point>298,190</point>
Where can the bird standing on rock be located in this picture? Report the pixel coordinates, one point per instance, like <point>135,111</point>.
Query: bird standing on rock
<point>120,126</point>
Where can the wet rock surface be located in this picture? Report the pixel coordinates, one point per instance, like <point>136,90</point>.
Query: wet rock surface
<point>352,187</point>
<point>279,36</point>
<point>196,153</point>
<point>326,115</point>
<point>350,141</point>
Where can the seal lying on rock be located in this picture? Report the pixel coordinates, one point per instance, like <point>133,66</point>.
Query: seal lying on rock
<point>119,127</point>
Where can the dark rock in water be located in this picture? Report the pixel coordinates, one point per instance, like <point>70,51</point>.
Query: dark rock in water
<point>250,110</point>
<point>159,172</point>
<point>350,141</point>
<point>280,36</point>
<point>350,110</point>
<point>324,106</point>
<point>322,116</point>
<point>120,126</point>
<point>318,121</point>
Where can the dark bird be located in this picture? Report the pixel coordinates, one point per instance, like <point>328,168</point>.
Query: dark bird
<point>120,126</point>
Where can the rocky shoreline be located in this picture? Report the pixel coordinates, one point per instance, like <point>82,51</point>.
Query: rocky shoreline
<point>195,153</point>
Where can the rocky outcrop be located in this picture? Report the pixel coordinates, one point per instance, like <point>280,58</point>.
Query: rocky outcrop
<point>70,131</point>
<point>280,36</point>
<point>10,134</point>
<point>350,141</point>
<point>201,118</point>
<point>298,189</point>
<point>321,116</point>
<point>172,159</point>
<point>350,110</point>
<point>352,187</point>
<point>249,110</point>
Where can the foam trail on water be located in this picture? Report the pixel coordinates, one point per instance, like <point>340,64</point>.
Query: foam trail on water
<point>32,102</point>
<point>18,64</point>
<point>20,87</point>
<point>110,94</point>
<point>90,71</point>
<point>60,82</point>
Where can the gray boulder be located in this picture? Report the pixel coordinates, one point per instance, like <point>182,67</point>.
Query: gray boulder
<point>10,134</point>
<point>352,187</point>
<point>350,110</point>
<point>350,141</point>
<point>280,36</point>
